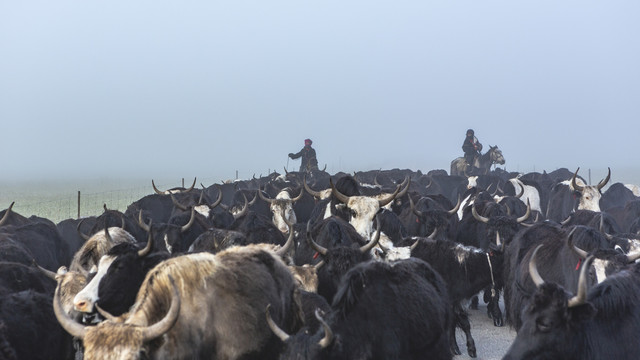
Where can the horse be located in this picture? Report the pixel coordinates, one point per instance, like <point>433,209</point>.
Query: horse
<point>481,165</point>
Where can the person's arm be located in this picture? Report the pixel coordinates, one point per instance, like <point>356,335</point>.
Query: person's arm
<point>296,155</point>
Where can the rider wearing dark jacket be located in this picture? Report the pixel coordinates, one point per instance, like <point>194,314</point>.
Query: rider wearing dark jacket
<point>308,154</point>
<point>471,147</point>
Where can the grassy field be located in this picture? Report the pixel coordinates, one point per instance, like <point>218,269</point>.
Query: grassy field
<point>58,200</point>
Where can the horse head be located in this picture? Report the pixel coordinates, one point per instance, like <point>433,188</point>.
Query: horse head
<point>495,155</point>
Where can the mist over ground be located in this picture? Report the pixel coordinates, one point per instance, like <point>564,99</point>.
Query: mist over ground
<point>134,91</point>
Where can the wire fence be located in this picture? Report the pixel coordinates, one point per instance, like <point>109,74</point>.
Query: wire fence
<point>58,202</point>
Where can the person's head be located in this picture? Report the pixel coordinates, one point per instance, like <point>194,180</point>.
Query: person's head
<point>470,132</point>
<point>307,142</point>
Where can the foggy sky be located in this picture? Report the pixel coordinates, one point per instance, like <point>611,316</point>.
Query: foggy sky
<point>156,89</point>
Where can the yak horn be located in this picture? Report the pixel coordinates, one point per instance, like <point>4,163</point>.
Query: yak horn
<point>368,246</point>
<point>574,183</point>
<point>328,334</point>
<point>82,235</point>
<point>604,182</point>
<point>245,208</point>
<point>161,327</point>
<point>177,204</point>
<point>142,224</point>
<point>48,273</point>
<point>533,269</point>
<point>521,184</point>
<point>266,199</point>
<point>105,314</point>
<point>455,208</point>
<point>287,245</point>
<point>526,214</point>
<point>277,331</point>
<point>147,249</point>
<point>341,197</point>
<point>477,216</point>
<point>581,297</point>
<point>581,253</point>
<point>388,199</point>
<point>72,327</point>
<point>313,193</point>
<point>191,220</point>
<point>312,243</point>
<point>6,214</point>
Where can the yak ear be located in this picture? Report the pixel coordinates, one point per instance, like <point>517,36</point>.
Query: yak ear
<point>580,313</point>
<point>349,292</point>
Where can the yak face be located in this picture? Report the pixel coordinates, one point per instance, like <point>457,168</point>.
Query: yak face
<point>283,204</point>
<point>85,299</point>
<point>362,209</point>
<point>549,329</point>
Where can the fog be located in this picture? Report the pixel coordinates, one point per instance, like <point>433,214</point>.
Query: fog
<point>211,89</point>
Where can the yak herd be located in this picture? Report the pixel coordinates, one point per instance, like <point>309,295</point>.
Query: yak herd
<point>379,264</point>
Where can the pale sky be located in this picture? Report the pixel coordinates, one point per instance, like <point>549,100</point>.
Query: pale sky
<point>177,89</point>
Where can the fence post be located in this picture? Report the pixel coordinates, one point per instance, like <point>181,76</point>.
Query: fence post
<point>78,204</point>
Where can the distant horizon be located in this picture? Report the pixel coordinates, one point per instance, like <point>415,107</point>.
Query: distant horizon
<point>166,90</point>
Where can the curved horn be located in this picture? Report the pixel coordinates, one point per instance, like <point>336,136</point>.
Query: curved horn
<point>341,197</point>
<point>405,188</point>
<point>566,221</point>
<point>219,199</point>
<point>581,253</point>
<point>526,214</point>
<point>430,182</point>
<point>147,249</point>
<point>604,182</point>
<point>533,269</point>
<point>105,314</point>
<point>107,235</point>
<point>156,189</point>
<point>433,234</point>
<point>581,297</point>
<point>266,199</point>
<point>477,216</point>
<point>312,243</point>
<point>287,245</point>
<point>245,208</point>
<point>191,221</point>
<point>498,240</point>
<point>313,193</point>
<point>48,273</point>
<point>6,214</point>
<point>415,243</point>
<point>161,327</point>
<point>142,224</point>
<point>390,197</point>
<point>82,235</point>
<point>299,196</point>
<point>285,171</point>
<point>192,185</point>
<point>277,331</point>
<point>328,334</point>
<point>574,183</point>
<point>602,230</point>
<point>455,208</point>
<point>415,211</point>
<point>368,246</point>
<point>177,204</point>
<point>75,329</point>
<point>521,184</point>
<point>375,180</point>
